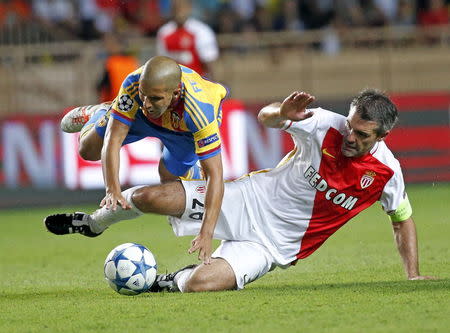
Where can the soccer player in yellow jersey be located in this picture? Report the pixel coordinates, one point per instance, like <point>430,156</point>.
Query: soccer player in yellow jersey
<point>173,103</point>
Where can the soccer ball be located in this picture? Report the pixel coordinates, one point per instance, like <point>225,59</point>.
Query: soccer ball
<point>130,269</point>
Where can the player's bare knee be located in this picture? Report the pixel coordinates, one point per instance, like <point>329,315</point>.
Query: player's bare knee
<point>164,199</point>
<point>199,283</point>
<point>145,198</point>
<point>88,153</point>
<point>215,277</point>
<point>90,146</point>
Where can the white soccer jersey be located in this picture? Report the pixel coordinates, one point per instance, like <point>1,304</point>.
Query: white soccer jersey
<point>191,45</point>
<point>315,190</point>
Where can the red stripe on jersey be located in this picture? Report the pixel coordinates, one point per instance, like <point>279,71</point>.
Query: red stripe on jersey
<point>121,115</point>
<point>340,192</point>
<point>209,151</point>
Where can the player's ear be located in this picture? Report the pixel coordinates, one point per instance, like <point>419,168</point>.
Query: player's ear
<point>177,92</point>
<point>381,137</point>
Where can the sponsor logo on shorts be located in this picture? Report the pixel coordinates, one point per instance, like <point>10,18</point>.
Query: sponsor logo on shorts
<point>200,189</point>
<point>208,140</point>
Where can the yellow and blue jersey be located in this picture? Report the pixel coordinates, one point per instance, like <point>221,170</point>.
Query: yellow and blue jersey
<point>198,111</point>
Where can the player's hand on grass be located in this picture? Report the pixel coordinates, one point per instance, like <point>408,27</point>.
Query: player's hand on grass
<point>294,106</point>
<point>111,200</point>
<point>423,277</point>
<point>203,244</point>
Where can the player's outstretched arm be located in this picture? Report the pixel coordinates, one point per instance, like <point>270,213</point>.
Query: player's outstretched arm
<point>406,239</point>
<point>292,108</point>
<point>212,167</point>
<point>115,134</point>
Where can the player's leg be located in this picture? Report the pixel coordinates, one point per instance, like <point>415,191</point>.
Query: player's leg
<point>90,144</point>
<point>242,251</point>
<point>74,120</point>
<point>165,199</point>
<point>179,160</point>
<point>234,264</point>
<point>213,277</point>
<point>92,134</point>
<point>179,169</point>
<point>164,174</point>
<point>217,276</point>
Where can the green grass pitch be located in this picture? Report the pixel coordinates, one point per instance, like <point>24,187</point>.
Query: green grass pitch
<point>354,283</point>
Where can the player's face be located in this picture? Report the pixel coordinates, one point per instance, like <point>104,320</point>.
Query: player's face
<point>181,11</point>
<point>360,137</point>
<point>155,100</point>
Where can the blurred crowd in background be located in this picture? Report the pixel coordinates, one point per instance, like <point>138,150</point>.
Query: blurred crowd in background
<point>92,19</point>
<point>60,53</point>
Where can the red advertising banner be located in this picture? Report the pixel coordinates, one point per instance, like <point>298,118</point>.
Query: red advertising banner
<point>422,142</point>
<point>36,153</point>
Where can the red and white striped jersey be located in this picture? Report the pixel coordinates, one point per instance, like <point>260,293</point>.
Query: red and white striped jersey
<point>315,189</point>
<point>191,45</point>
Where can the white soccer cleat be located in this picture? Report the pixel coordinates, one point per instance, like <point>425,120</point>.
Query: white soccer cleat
<point>75,119</point>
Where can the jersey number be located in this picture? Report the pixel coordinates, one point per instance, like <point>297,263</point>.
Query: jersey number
<point>196,215</point>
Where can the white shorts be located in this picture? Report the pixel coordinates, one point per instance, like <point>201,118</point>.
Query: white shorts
<point>249,260</point>
<point>241,247</point>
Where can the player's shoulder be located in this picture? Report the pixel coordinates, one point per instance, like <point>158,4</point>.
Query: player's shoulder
<point>192,81</point>
<point>328,118</point>
<point>133,78</point>
<point>166,29</point>
<point>201,87</point>
<point>196,26</point>
<point>188,72</point>
<point>383,154</point>
<point>325,113</point>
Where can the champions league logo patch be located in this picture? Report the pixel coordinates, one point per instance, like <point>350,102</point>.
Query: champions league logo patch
<point>125,103</point>
<point>367,179</point>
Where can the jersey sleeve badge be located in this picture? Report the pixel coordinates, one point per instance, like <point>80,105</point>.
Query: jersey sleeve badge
<point>125,103</point>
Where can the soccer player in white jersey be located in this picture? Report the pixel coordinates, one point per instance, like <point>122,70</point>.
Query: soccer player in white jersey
<point>273,218</point>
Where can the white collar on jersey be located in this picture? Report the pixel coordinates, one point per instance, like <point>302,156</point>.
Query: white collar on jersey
<point>374,148</point>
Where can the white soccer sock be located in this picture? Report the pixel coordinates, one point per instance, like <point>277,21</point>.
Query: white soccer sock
<point>102,218</point>
<point>181,279</point>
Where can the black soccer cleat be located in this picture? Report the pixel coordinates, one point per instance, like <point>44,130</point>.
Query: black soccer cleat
<point>165,282</point>
<point>62,224</point>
